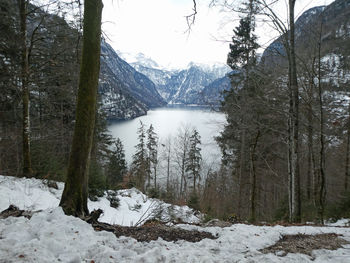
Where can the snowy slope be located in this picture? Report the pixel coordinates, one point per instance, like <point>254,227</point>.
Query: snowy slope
<point>134,207</point>
<point>51,236</point>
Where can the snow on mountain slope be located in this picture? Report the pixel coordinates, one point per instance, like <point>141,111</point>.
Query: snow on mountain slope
<point>139,59</point>
<point>134,207</point>
<point>178,86</point>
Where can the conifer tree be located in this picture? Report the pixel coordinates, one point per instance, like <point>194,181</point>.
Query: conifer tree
<point>235,139</point>
<point>194,158</point>
<point>244,42</point>
<point>117,164</point>
<point>152,148</point>
<point>139,163</point>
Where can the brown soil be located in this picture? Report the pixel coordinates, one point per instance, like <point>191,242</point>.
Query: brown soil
<point>305,244</point>
<point>148,232</point>
<point>153,231</point>
<point>15,212</point>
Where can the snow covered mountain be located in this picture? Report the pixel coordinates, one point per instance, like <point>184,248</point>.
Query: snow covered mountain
<point>183,86</point>
<point>331,23</point>
<point>126,93</point>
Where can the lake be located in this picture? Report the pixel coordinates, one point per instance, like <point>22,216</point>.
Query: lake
<point>167,121</point>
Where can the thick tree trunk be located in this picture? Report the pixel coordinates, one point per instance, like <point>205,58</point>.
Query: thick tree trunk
<point>75,194</point>
<point>27,165</point>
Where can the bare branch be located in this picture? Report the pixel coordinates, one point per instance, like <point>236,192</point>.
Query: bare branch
<point>190,19</point>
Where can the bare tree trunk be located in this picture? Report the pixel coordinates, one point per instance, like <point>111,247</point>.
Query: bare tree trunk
<point>148,174</point>
<point>311,160</point>
<point>240,175</point>
<point>75,194</point>
<point>290,169</point>
<point>347,158</point>
<point>254,179</point>
<point>183,170</point>
<point>322,191</point>
<point>194,183</point>
<point>27,164</point>
<point>168,170</point>
<point>296,217</point>
<point>182,181</point>
<point>155,176</point>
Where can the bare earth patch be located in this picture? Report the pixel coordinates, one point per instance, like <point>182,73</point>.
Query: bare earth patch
<point>147,232</point>
<point>151,232</point>
<point>305,244</point>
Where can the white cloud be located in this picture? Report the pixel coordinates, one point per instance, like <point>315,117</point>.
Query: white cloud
<point>157,29</point>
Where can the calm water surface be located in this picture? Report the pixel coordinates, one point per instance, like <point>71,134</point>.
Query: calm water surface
<point>167,121</point>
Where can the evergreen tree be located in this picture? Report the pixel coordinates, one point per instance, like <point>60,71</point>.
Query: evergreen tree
<point>193,162</point>
<point>152,159</point>
<point>240,104</point>
<point>139,163</point>
<point>244,42</point>
<point>100,154</point>
<point>117,164</point>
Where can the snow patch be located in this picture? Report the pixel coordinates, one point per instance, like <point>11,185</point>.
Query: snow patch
<point>135,208</point>
<point>51,236</point>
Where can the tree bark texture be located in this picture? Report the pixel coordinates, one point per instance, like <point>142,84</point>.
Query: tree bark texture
<point>75,194</point>
<point>27,164</point>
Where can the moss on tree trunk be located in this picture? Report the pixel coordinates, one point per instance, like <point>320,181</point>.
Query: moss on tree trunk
<point>75,194</point>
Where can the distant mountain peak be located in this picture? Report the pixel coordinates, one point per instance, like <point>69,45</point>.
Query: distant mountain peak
<point>219,69</point>
<point>139,59</point>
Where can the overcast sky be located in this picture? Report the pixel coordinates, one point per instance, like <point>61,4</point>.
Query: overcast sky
<point>157,28</point>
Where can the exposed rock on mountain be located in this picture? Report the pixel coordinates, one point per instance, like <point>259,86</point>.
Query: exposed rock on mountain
<point>54,68</point>
<point>327,25</point>
<point>125,92</point>
<point>182,86</point>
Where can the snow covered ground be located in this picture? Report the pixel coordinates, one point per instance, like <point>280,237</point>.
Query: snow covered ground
<point>50,236</point>
<point>134,207</point>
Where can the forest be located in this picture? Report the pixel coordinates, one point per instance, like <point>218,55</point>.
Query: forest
<point>285,146</point>
<point>280,191</point>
